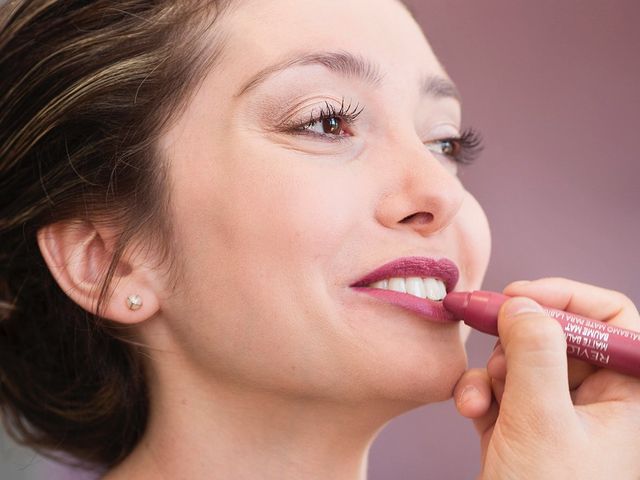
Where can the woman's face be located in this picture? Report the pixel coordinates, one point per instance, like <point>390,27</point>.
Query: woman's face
<point>276,220</point>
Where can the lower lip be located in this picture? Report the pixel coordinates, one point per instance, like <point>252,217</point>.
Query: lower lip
<point>429,309</point>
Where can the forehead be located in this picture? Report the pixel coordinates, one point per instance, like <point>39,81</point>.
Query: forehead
<point>260,33</point>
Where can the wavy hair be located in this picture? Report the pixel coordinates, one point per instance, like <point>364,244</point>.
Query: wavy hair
<point>86,89</point>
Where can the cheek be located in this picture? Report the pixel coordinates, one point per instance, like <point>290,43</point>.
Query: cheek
<point>260,234</point>
<point>476,243</point>
<point>295,211</point>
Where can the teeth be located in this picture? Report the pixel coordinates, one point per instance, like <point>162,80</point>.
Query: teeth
<point>397,285</point>
<point>415,286</point>
<point>381,284</point>
<point>431,288</point>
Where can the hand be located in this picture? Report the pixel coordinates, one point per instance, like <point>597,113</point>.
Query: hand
<point>541,415</point>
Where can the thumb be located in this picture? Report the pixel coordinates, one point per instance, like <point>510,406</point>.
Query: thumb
<point>535,350</point>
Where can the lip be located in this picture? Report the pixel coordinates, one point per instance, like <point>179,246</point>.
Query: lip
<point>443,269</point>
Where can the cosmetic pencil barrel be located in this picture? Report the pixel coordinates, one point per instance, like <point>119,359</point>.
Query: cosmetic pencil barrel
<point>595,342</point>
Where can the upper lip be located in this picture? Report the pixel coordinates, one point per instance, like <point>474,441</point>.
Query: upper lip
<point>442,268</point>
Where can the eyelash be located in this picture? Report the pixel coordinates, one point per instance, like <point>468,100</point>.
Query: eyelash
<point>466,147</point>
<point>345,113</point>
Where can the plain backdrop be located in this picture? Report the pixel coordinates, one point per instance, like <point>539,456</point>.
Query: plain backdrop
<point>553,86</point>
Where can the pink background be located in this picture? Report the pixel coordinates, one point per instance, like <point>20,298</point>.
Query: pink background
<point>554,86</point>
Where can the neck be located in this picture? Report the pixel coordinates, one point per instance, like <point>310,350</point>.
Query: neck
<point>226,431</point>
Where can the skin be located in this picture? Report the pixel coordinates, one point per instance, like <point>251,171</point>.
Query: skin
<point>261,358</point>
<point>277,235</point>
<point>541,415</point>
<point>268,323</point>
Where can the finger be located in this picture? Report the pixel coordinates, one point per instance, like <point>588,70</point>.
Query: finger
<point>472,393</point>
<point>608,386</point>
<point>485,440</point>
<point>498,389</point>
<point>578,372</point>
<point>497,364</point>
<point>583,299</point>
<point>497,370</point>
<point>536,381</point>
<point>580,298</point>
<point>487,421</point>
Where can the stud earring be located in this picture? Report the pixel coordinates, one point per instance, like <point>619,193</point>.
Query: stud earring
<point>134,302</point>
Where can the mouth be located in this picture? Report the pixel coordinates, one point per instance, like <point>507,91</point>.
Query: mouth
<point>418,284</point>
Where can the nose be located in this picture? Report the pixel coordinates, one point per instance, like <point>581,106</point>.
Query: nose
<point>421,193</point>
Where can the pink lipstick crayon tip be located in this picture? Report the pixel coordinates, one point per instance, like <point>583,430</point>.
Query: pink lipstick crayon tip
<point>456,303</point>
<point>477,309</point>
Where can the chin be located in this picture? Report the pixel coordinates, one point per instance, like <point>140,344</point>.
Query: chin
<point>423,377</point>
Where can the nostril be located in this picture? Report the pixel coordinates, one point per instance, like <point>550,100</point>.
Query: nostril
<point>420,218</point>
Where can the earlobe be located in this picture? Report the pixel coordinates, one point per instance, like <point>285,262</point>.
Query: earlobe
<point>78,255</point>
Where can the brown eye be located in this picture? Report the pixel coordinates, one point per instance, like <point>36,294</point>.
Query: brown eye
<point>331,125</point>
<point>462,149</point>
<point>449,147</point>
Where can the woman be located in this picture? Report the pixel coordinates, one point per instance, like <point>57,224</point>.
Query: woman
<point>213,182</point>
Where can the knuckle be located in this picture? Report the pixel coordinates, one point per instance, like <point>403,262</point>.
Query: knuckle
<point>617,303</point>
<point>625,302</point>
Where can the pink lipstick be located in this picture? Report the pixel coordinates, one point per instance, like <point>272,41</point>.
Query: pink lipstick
<point>595,342</point>
<point>423,267</point>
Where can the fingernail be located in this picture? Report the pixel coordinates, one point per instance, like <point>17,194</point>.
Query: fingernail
<point>467,394</point>
<point>520,305</point>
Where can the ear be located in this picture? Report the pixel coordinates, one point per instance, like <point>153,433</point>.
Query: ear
<point>78,255</point>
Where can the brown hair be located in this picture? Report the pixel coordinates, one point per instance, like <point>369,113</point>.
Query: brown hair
<point>85,90</point>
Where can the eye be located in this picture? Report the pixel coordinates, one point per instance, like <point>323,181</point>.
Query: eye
<point>449,147</point>
<point>332,125</point>
<point>463,149</point>
<point>329,123</point>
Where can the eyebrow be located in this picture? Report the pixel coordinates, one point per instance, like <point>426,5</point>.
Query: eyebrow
<point>351,66</point>
<point>440,87</point>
